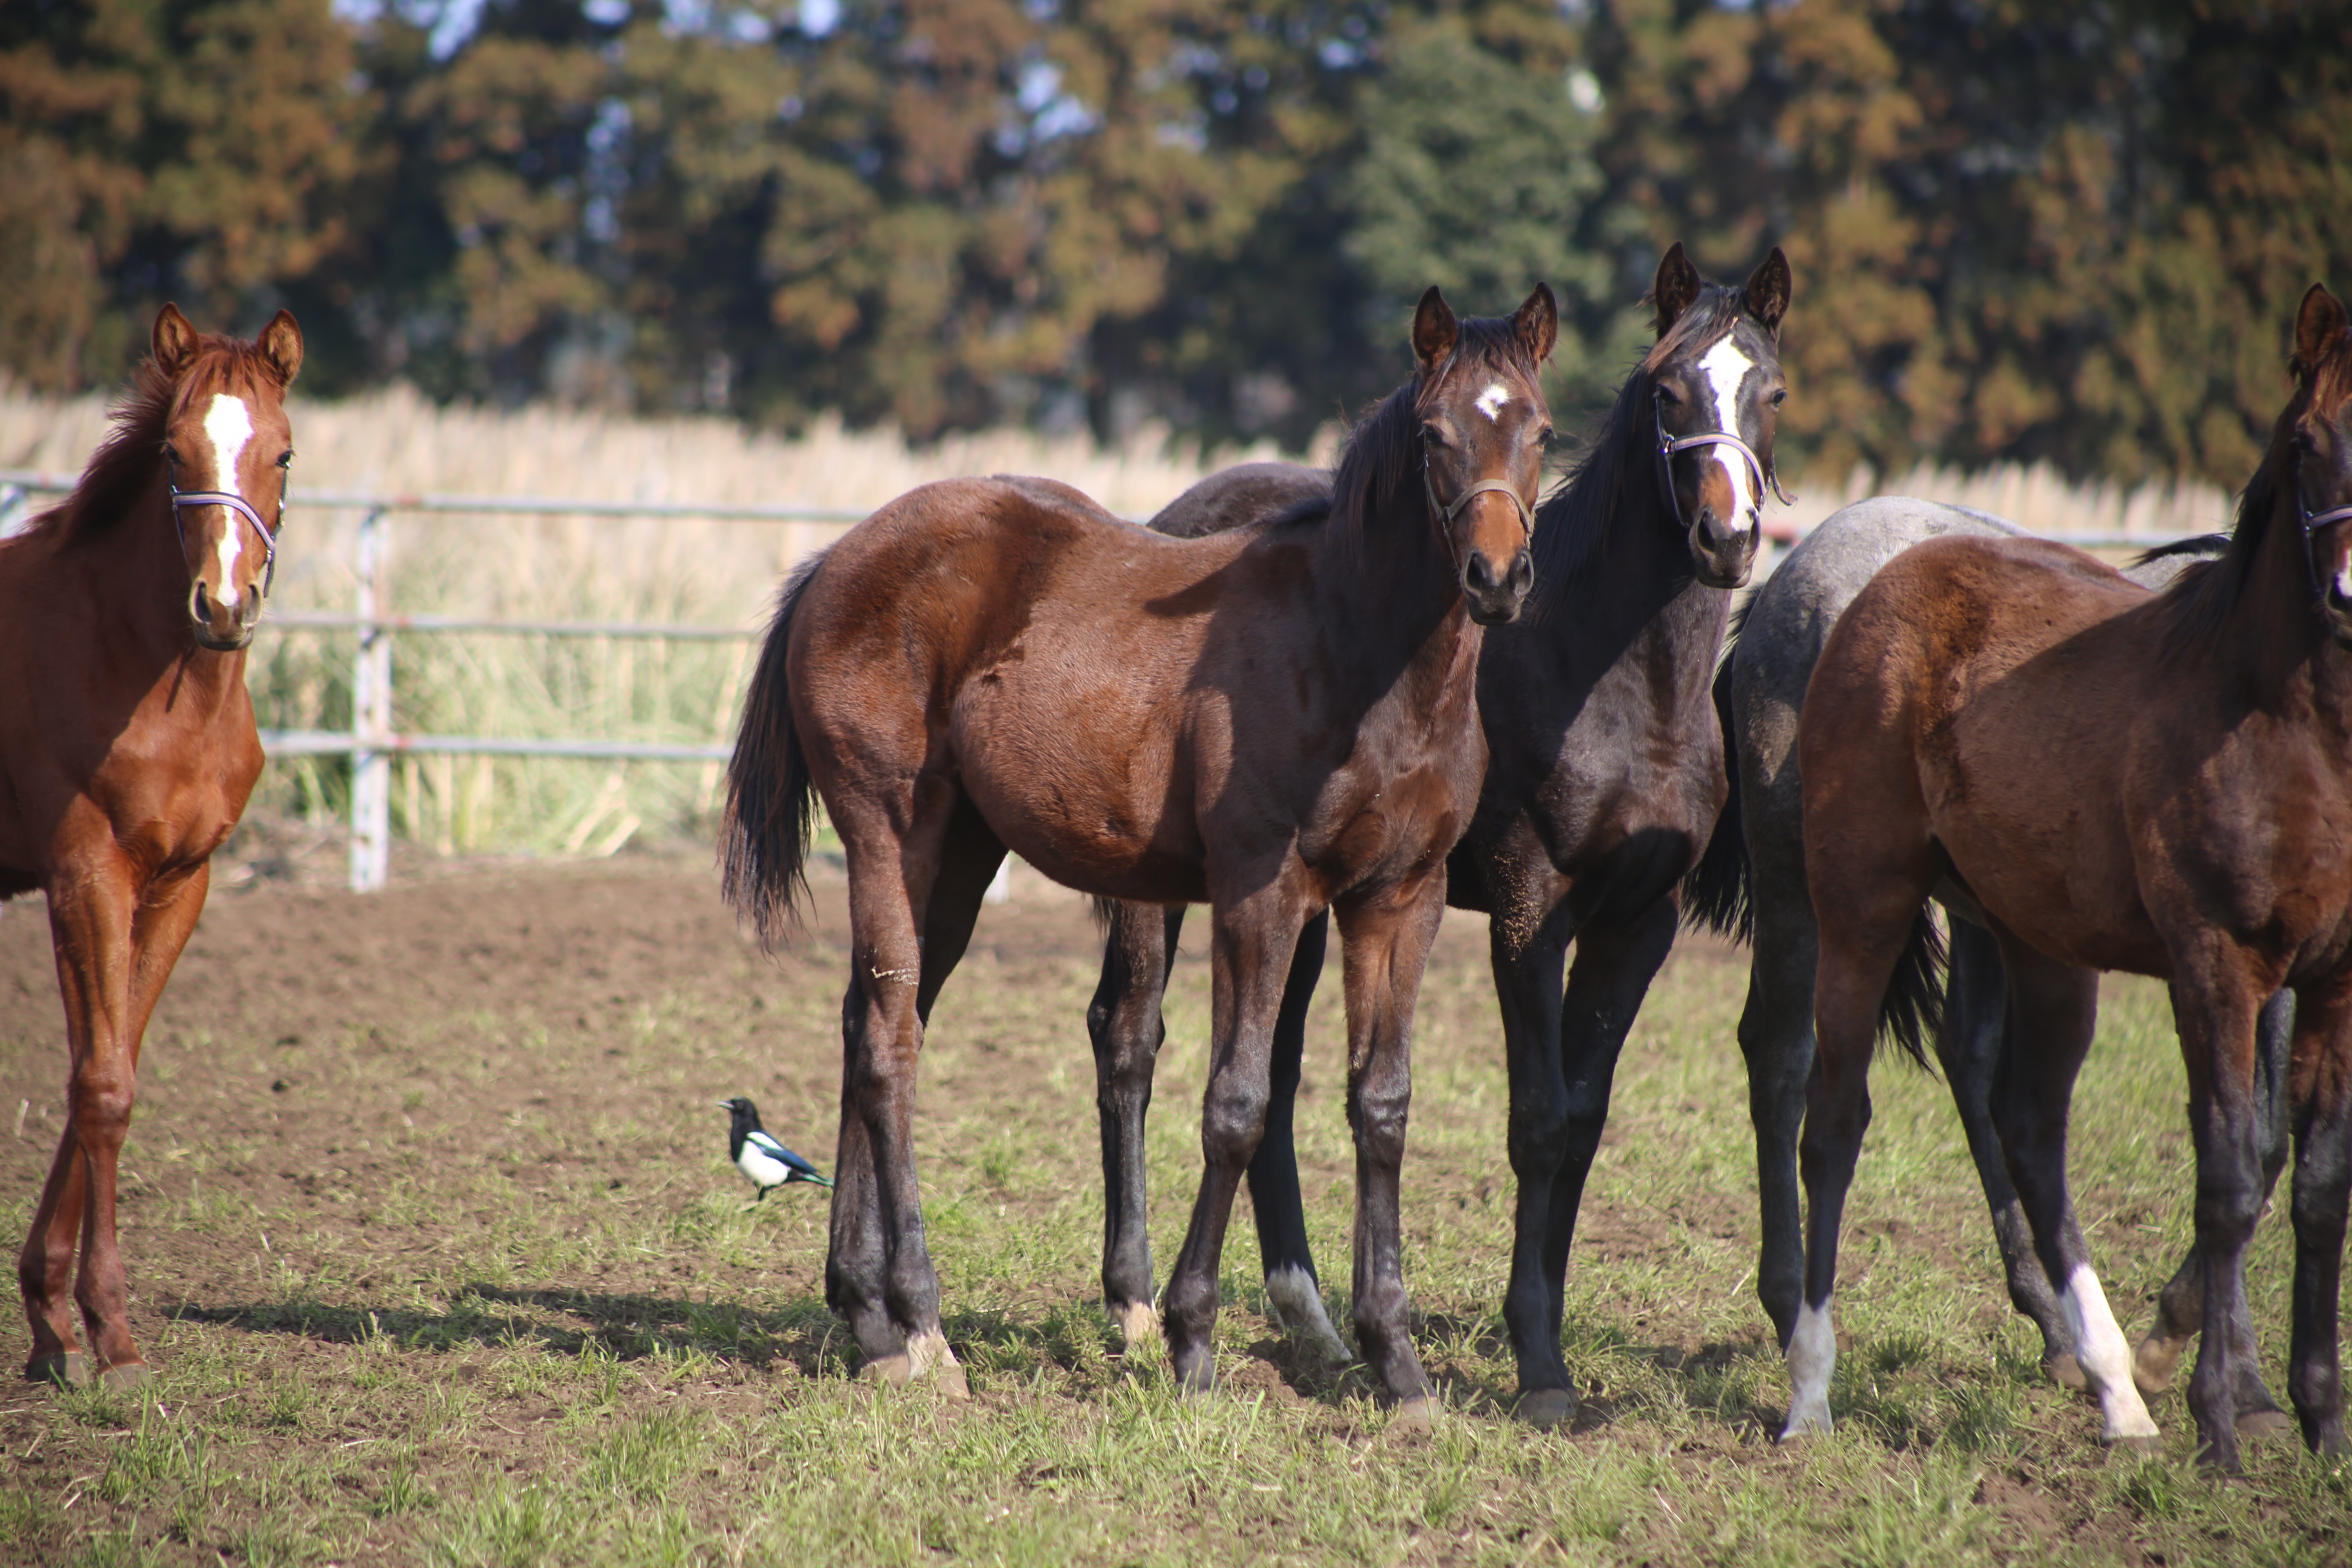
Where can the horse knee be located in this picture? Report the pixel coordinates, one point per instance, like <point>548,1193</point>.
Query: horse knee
<point>1233,1121</point>
<point>101,1108</point>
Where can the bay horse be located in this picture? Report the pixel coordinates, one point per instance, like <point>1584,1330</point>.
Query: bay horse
<point>1274,720</point>
<point>2160,784</point>
<point>127,753</point>
<point>1605,775</point>
<point>1751,887</point>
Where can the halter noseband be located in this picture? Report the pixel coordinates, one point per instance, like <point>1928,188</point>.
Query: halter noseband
<point>1446,514</point>
<point>236,503</point>
<point>1669,445</point>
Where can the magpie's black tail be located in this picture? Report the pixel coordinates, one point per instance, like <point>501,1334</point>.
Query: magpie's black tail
<point>772,805</point>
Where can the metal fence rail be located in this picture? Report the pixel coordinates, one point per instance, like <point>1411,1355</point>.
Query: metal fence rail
<point>373,742</point>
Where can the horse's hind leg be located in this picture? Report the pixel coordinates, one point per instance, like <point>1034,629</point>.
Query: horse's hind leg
<point>2322,1179</point>
<point>1124,1022</point>
<point>1970,1045</point>
<point>1292,1286</point>
<point>2181,1305</point>
<point>45,1269</point>
<point>2053,1009</point>
<point>917,871</point>
<point>1776,1039</point>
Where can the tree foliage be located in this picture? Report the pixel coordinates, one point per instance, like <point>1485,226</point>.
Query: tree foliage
<point>2045,231</point>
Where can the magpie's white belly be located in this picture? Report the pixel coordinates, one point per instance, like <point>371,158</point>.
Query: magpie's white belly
<point>763,1170</point>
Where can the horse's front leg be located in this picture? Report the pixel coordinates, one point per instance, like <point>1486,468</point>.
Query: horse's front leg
<point>1253,942</point>
<point>2323,1180</point>
<point>115,952</point>
<point>1124,1022</point>
<point>2215,1002</point>
<point>1384,937</point>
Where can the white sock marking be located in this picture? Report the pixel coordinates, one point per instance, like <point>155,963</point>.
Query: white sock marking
<point>1298,1308</point>
<point>1726,365</point>
<point>2104,1358</point>
<point>1813,1357</point>
<point>1490,402</point>
<point>229,425</point>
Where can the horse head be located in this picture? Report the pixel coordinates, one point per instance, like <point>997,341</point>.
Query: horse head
<point>226,447</point>
<point>1484,429</point>
<point>2318,424</point>
<point>1714,376</point>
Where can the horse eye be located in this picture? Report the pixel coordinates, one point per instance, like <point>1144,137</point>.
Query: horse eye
<point>286,459</point>
<point>1666,395</point>
<point>1547,438</point>
<point>171,453</point>
<point>1433,435</point>
<point>1779,397</point>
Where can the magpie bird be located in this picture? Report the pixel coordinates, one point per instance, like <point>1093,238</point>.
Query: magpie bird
<point>768,1163</point>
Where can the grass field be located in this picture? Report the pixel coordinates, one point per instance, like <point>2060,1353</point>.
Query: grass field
<point>437,1254</point>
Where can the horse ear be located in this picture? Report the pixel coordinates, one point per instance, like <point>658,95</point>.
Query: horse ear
<point>1434,330</point>
<point>2319,327</point>
<point>175,341</point>
<point>280,343</point>
<point>1768,291</point>
<point>1676,286</point>
<point>1538,323</point>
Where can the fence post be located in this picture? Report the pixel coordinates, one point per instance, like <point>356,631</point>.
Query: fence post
<point>371,719</point>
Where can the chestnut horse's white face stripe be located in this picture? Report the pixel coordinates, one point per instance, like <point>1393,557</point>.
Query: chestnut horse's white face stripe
<point>1490,402</point>
<point>1727,367</point>
<point>228,425</point>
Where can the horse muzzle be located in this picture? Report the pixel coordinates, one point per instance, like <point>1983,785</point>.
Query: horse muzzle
<point>1495,598</point>
<point>223,626</point>
<point>1723,557</point>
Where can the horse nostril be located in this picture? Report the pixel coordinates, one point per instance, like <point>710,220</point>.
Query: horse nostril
<point>1479,574</point>
<point>1523,572</point>
<point>199,606</point>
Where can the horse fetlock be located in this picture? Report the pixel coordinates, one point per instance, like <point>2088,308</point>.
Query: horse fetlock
<point>68,1369</point>
<point>2062,1368</point>
<point>2155,1361</point>
<point>1298,1308</point>
<point>1139,1322</point>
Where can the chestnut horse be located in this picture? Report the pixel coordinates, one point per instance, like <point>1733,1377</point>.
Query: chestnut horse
<point>1605,777</point>
<point>127,750</point>
<point>2113,780</point>
<point>1273,720</point>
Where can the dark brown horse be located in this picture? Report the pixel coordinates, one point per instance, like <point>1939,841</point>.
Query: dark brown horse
<point>127,750</point>
<point>2159,784</point>
<point>1605,780</point>
<point>1272,721</point>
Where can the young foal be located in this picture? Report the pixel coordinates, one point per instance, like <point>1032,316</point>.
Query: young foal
<point>1605,780</point>
<point>1273,720</point>
<point>127,750</point>
<point>2195,830</point>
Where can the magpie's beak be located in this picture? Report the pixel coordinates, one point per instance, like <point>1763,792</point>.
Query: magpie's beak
<point>722,1105</point>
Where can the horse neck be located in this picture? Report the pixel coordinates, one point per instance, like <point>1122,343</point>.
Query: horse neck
<point>1398,596</point>
<point>1640,599</point>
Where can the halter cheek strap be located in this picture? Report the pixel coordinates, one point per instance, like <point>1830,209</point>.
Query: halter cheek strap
<point>1669,445</point>
<point>1446,514</point>
<point>236,503</point>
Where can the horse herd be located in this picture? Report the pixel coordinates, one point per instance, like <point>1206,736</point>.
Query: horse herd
<point>1407,682</point>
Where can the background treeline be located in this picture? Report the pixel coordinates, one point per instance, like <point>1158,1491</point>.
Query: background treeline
<point>2060,232</point>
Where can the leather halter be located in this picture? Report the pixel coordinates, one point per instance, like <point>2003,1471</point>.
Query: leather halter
<point>236,503</point>
<point>1446,514</point>
<point>1669,445</point>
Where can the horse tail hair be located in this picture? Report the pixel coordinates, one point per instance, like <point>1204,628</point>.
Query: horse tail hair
<point>771,804</point>
<point>1715,893</point>
<point>1912,1012</point>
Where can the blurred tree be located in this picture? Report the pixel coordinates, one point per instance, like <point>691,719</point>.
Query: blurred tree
<point>150,149</point>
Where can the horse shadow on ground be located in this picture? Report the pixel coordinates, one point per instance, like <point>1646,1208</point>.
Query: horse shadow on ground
<point>1621,1380</point>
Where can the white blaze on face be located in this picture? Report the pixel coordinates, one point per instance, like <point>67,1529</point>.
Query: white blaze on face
<point>1490,402</point>
<point>1725,366</point>
<point>229,425</point>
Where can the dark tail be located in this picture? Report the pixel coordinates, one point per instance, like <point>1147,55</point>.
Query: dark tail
<point>1715,894</point>
<point>772,805</point>
<point>1912,1011</point>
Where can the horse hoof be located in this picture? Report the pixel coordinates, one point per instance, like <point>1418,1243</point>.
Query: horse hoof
<point>2264,1425</point>
<point>1546,1407</point>
<point>2064,1371</point>
<point>1803,1427</point>
<point>66,1369</point>
<point>2148,1443</point>
<point>2153,1364</point>
<point>1420,1411</point>
<point>897,1370</point>
<point>1139,1324</point>
<point>123,1376</point>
